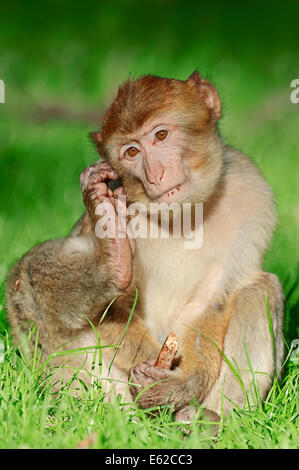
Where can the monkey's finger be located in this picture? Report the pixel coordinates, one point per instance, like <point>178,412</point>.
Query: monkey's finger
<point>104,164</point>
<point>99,191</point>
<point>150,362</point>
<point>119,192</point>
<point>136,376</point>
<point>106,174</point>
<point>92,175</point>
<point>155,373</point>
<point>141,378</point>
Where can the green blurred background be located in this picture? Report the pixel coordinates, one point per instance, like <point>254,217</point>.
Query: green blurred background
<point>62,62</point>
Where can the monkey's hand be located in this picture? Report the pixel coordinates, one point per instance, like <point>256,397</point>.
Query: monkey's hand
<point>99,200</point>
<point>155,386</point>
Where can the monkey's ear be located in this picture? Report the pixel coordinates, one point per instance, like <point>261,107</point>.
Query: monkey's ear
<point>208,93</point>
<point>96,137</point>
<point>195,78</point>
<point>211,98</point>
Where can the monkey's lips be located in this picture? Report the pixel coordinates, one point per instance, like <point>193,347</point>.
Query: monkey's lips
<point>175,194</point>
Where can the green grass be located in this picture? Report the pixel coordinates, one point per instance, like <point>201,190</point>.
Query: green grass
<point>57,55</point>
<point>31,417</point>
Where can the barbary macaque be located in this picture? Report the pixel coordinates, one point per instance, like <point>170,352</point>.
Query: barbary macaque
<point>160,138</point>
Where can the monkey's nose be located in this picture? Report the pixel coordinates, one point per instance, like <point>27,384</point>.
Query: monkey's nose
<point>157,179</point>
<point>163,171</point>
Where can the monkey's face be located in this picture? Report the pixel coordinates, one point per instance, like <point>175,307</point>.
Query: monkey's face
<point>155,156</point>
<point>159,134</point>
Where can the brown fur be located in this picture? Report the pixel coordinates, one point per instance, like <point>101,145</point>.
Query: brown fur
<point>213,298</point>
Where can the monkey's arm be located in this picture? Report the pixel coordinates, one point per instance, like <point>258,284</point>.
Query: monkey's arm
<point>200,359</point>
<point>199,365</point>
<point>59,283</point>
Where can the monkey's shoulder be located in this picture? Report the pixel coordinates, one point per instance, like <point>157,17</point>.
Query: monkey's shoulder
<point>248,200</point>
<point>244,179</point>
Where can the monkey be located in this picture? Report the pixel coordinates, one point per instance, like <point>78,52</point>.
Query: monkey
<point>160,138</point>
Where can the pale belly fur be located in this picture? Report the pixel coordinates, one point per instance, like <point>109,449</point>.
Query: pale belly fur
<point>180,284</point>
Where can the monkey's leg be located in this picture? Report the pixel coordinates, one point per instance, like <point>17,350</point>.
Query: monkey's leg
<point>202,372</point>
<point>198,368</point>
<point>248,341</point>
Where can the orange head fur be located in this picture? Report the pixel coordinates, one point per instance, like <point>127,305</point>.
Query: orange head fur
<point>193,106</point>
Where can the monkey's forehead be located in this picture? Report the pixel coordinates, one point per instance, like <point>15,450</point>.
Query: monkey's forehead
<point>142,100</point>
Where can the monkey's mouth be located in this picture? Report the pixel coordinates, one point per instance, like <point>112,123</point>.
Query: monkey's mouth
<point>175,194</point>
<point>173,191</point>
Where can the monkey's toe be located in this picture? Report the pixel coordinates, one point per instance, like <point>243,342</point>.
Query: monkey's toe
<point>185,415</point>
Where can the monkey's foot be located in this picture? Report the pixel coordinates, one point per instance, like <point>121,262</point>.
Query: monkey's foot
<point>209,419</point>
<point>185,415</point>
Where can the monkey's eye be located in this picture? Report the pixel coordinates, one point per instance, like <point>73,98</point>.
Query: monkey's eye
<point>161,135</point>
<point>132,151</point>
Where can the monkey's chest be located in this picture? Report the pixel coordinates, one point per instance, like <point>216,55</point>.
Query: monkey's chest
<point>176,286</point>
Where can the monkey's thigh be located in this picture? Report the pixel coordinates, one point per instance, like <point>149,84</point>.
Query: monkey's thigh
<point>92,367</point>
<point>249,347</point>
